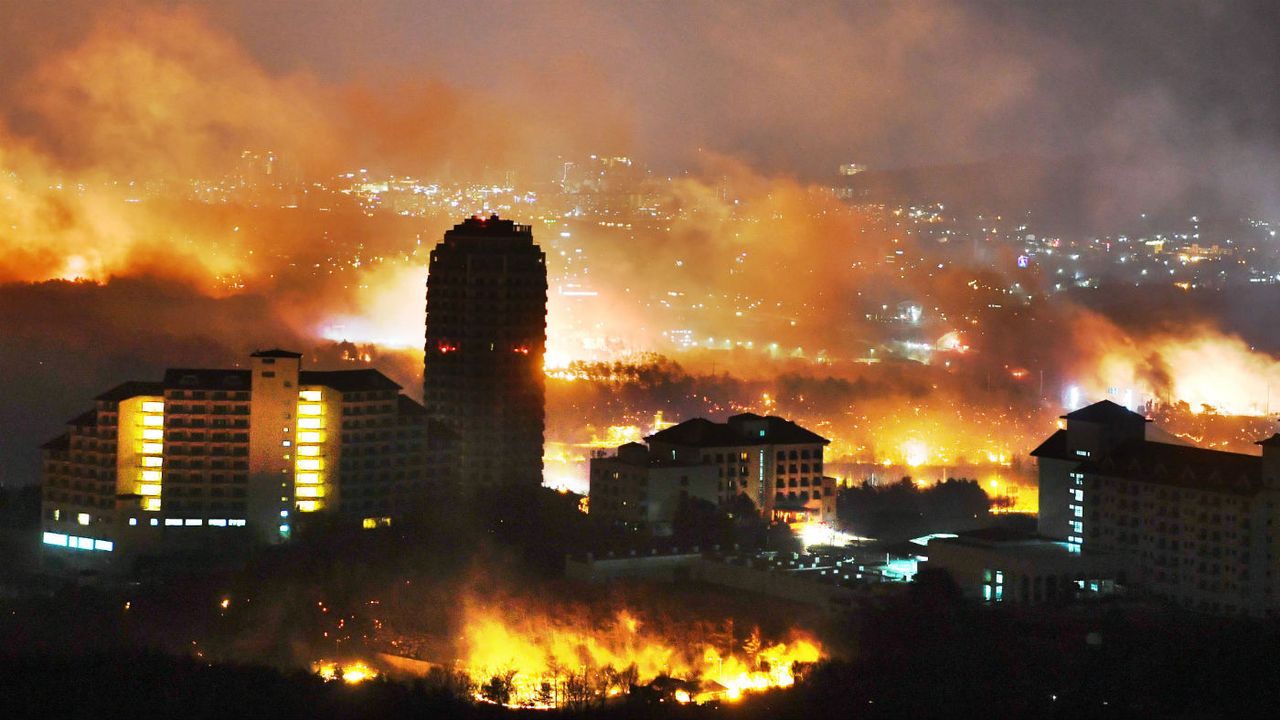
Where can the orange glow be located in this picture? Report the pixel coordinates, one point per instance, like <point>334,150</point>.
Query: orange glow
<point>536,660</point>
<point>351,672</point>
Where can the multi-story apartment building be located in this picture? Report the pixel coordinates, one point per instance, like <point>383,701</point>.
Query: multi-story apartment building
<point>643,488</point>
<point>239,455</point>
<point>486,336</point>
<point>772,461</point>
<point>1195,526</point>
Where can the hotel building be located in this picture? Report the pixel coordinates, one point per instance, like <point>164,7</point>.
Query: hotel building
<point>231,455</point>
<point>486,336</point>
<point>1195,526</point>
<point>638,487</point>
<point>774,462</point>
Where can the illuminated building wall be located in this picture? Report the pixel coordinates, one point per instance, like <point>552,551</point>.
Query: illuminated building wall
<point>140,453</point>
<point>314,455</point>
<point>230,457</point>
<point>486,336</point>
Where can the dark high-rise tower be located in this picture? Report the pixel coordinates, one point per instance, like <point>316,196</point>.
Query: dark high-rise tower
<point>486,336</point>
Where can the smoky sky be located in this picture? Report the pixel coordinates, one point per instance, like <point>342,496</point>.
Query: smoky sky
<point>792,87</point>
<point>763,98</point>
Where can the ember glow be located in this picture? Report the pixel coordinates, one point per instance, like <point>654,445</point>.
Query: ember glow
<point>538,660</point>
<point>351,672</point>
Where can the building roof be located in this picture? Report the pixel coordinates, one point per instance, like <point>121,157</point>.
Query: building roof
<point>739,430</point>
<point>1273,441</point>
<point>84,419</point>
<point>480,226</point>
<point>62,442</point>
<point>207,379</point>
<point>276,353</point>
<point>133,388</point>
<point>408,406</point>
<point>348,380</point>
<point>1104,411</point>
<point>1181,465</point>
<point>1054,447</point>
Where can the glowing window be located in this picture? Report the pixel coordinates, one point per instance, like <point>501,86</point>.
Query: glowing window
<point>151,461</point>
<point>55,539</point>
<point>152,448</point>
<point>148,489</point>
<point>310,409</point>
<point>311,464</point>
<point>152,406</point>
<point>149,476</point>
<point>305,478</point>
<point>310,491</point>
<point>311,396</point>
<point>216,522</point>
<point>153,420</point>
<point>310,423</point>
<point>236,523</point>
<point>133,521</point>
<point>83,543</point>
<point>369,523</point>
<point>154,522</point>
<point>82,518</point>
<point>309,450</point>
<point>310,437</point>
<point>151,504</point>
<point>308,505</point>
<point>152,434</point>
<point>105,545</point>
<point>170,522</point>
<point>193,522</point>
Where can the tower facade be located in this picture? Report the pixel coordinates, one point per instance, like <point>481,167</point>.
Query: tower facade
<point>485,340</point>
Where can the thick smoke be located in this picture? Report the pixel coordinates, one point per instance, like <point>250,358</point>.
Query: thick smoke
<point>122,162</point>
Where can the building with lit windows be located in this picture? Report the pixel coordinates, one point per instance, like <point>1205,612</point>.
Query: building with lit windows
<point>231,456</point>
<point>774,462</point>
<point>486,336</point>
<point>638,487</point>
<point>1195,526</point>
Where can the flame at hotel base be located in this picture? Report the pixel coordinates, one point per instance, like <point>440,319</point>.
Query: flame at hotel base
<point>536,660</point>
<point>350,672</point>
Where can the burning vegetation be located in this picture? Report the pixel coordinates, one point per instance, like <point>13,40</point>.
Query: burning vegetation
<point>539,660</point>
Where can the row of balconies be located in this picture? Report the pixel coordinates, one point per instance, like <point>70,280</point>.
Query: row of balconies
<point>208,410</point>
<point>199,464</point>
<point>237,449</point>
<point>235,395</point>
<point>174,478</point>
<point>217,437</point>
<point>199,422</point>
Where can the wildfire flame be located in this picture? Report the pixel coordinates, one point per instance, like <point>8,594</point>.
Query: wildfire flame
<point>536,660</point>
<point>349,672</point>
